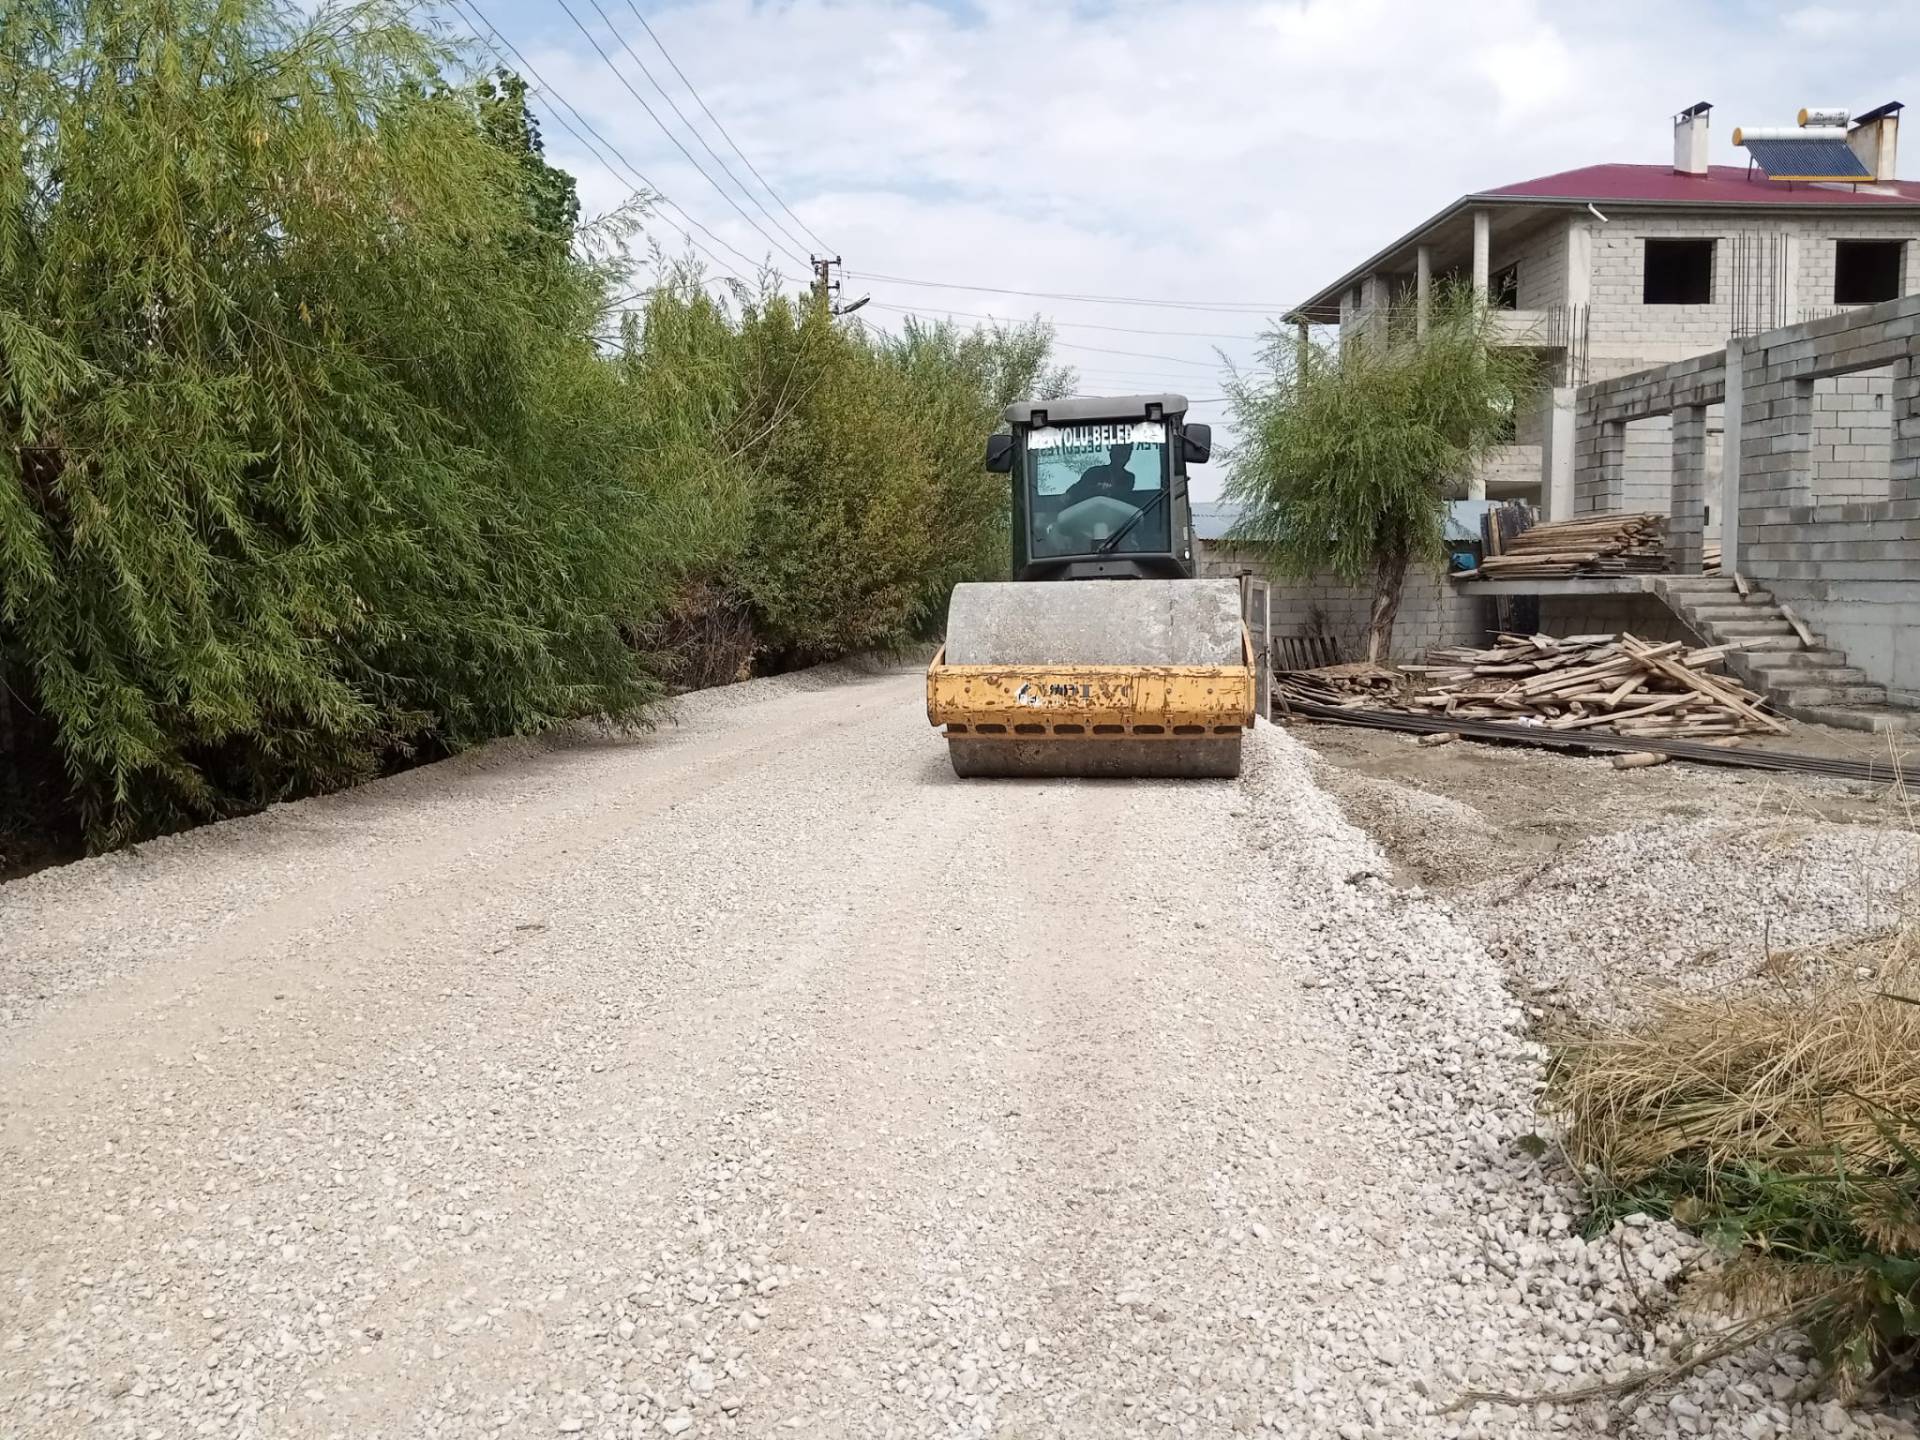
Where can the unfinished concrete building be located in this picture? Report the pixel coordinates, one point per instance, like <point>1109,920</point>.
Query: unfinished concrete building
<point>1609,269</point>
<point>1736,346</point>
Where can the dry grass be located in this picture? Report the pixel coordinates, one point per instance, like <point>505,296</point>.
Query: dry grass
<point>1770,1074</point>
<point>1784,1127</point>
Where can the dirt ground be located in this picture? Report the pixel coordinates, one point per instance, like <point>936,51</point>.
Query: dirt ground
<point>1521,805</point>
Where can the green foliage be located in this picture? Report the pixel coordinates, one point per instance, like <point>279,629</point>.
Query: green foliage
<point>315,453</point>
<point>1347,451</point>
<point>846,491</point>
<point>552,199</point>
<point>1824,1232</point>
<point>956,384</point>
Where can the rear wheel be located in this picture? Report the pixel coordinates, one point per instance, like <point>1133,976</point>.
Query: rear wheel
<point>1201,758</point>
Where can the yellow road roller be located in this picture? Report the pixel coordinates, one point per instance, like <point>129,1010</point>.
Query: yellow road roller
<point>1132,667</point>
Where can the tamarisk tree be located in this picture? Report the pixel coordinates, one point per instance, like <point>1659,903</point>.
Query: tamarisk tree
<point>1348,449</point>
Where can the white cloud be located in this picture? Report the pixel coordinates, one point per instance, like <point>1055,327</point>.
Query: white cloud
<point>1247,150</point>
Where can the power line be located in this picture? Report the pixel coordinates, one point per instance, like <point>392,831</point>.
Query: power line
<point>1141,355</point>
<point>1139,378</point>
<point>660,45</point>
<point>628,84</point>
<point>553,94</point>
<point>1131,354</point>
<point>692,129</point>
<point>1223,307</point>
<point>1064,324</point>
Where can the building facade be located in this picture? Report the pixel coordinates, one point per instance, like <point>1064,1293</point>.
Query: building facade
<point>1611,269</point>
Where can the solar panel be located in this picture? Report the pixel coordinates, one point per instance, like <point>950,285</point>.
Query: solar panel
<point>1819,159</point>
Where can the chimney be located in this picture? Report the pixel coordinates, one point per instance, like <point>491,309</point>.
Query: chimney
<point>1690,140</point>
<point>1875,139</point>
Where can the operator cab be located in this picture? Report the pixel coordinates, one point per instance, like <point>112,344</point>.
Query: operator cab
<point>1100,486</point>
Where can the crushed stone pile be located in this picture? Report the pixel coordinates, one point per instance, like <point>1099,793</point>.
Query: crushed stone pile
<point>1698,907</point>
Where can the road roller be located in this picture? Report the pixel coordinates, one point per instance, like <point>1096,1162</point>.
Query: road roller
<point>1104,655</point>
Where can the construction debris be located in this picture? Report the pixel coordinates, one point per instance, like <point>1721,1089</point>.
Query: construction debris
<point>1617,683</point>
<point>1710,557</point>
<point>1628,543</point>
<point>1641,760</point>
<point>1359,682</point>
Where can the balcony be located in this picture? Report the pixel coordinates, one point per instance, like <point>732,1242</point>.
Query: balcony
<point>1559,329</point>
<point>1511,471</point>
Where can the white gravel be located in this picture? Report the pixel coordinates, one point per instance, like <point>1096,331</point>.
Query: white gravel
<point>756,1077</point>
<point>1702,907</point>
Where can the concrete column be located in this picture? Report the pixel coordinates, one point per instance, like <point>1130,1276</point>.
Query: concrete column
<point>1789,306</point>
<point>1903,472</point>
<point>1609,492</point>
<point>1686,515</point>
<point>1422,287</point>
<point>1375,301</point>
<point>1556,453</point>
<point>1730,463</point>
<point>1579,263</point>
<point>1482,250</point>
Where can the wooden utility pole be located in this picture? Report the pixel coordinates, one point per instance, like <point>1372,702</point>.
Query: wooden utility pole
<point>826,286</point>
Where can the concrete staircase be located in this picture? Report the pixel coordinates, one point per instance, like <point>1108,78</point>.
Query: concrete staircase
<point>1807,682</point>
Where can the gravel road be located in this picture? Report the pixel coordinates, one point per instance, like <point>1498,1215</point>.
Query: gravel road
<point>755,1076</point>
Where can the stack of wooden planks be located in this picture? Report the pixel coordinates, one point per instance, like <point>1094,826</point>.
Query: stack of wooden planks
<point>1628,543</point>
<point>1357,685</point>
<point>1710,557</point>
<point>1616,683</point>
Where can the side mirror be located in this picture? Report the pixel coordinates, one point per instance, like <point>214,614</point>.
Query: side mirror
<point>1196,444</point>
<point>999,454</point>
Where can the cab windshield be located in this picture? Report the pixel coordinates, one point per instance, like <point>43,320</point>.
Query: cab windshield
<point>1086,482</point>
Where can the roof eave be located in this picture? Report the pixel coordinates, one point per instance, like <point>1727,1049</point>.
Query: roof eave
<point>1570,202</point>
<point>1372,262</point>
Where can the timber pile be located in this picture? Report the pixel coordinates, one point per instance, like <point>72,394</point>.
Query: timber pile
<point>1710,557</point>
<point>1357,685</point>
<point>1617,683</point>
<point>1629,543</point>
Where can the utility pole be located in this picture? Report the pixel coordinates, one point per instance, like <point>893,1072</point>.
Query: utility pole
<point>826,287</point>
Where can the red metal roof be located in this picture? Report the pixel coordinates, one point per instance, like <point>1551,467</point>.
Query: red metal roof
<point>1721,185</point>
<point>1638,185</point>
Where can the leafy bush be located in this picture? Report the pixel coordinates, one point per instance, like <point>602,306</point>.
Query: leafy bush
<point>317,455</point>
<point>1348,450</point>
<point>1786,1130</point>
<point>288,381</point>
<point>840,491</point>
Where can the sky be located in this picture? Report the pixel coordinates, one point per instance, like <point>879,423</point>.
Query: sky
<point>1221,159</point>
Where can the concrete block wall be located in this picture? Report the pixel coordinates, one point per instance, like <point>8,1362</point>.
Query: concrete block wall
<point>1645,616</point>
<point>1626,335</point>
<point>1849,566</point>
<point>1850,569</point>
<point>1607,412</point>
<point>1852,443</point>
<point>1510,469</point>
<point>1687,488</point>
<point>1646,464</point>
<point>1433,612</point>
<point>1814,270</point>
<point>1877,624</point>
<point>1716,440</point>
<point>1623,333</point>
<point>1542,258</point>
